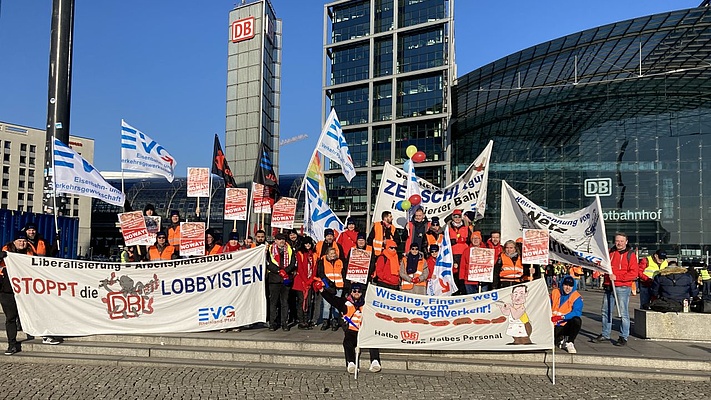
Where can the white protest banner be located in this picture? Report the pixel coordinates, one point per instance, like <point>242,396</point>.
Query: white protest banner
<point>576,238</point>
<point>133,228</point>
<point>535,247</point>
<point>358,265</point>
<point>518,315</point>
<point>198,182</point>
<point>192,238</point>
<point>141,153</point>
<point>261,204</point>
<point>79,297</point>
<point>236,204</point>
<point>283,213</point>
<point>467,193</point>
<point>481,265</point>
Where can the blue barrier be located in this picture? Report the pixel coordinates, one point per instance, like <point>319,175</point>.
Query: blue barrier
<point>13,221</point>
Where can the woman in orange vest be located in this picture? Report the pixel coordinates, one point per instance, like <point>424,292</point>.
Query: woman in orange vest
<point>212,246</point>
<point>414,271</point>
<point>331,272</point>
<point>567,308</point>
<point>350,307</point>
<point>508,270</point>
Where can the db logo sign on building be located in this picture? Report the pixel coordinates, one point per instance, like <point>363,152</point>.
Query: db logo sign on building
<point>598,187</point>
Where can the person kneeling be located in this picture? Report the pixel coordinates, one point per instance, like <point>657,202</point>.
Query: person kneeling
<point>350,308</point>
<point>567,307</point>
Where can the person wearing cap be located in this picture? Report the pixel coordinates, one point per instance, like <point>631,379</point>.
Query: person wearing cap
<point>329,241</point>
<point>281,264</point>
<point>387,267</point>
<point>435,233</point>
<point>382,231</point>
<point>331,272</point>
<point>7,296</point>
<point>567,310</point>
<point>347,239</point>
<point>306,267</point>
<point>414,271</point>
<point>161,250</point>
<point>232,244</point>
<point>459,234</point>
<point>212,245</point>
<point>471,286</point>
<point>649,267</point>
<point>417,229</point>
<point>174,231</point>
<point>351,309</point>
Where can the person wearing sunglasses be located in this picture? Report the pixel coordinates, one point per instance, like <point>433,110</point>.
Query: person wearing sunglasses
<point>350,307</point>
<point>414,272</point>
<point>387,267</point>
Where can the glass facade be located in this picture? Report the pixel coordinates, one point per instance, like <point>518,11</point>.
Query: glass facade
<point>620,111</point>
<point>383,103</point>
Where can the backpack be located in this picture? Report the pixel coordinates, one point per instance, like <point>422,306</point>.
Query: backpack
<point>665,305</point>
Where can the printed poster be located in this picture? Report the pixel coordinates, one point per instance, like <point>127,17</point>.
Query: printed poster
<point>192,238</point>
<point>535,247</point>
<point>61,297</point>
<point>481,265</point>
<point>358,265</point>
<point>198,182</point>
<point>236,204</point>
<point>260,203</point>
<point>133,228</point>
<point>283,213</point>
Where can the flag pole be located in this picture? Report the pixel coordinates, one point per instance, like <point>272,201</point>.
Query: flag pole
<point>209,200</point>
<point>250,206</point>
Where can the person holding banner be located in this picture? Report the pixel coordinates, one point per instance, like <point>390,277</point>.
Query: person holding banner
<point>567,308</point>
<point>432,259</point>
<point>232,243</point>
<point>362,244</point>
<point>414,272</point>
<point>281,264</point>
<point>306,262</point>
<point>471,287</point>
<point>37,243</point>
<point>350,307</point>
<point>174,231</point>
<point>7,296</point>
<point>332,274</point>
<point>382,231</point>
<point>161,250</point>
<point>625,269</point>
<point>387,267</point>
<point>260,238</point>
<point>212,246</point>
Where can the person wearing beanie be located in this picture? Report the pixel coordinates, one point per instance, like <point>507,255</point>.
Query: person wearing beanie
<point>281,264</point>
<point>37,243</point>
<point>333,275</point>
<point>387,267</point>
<point>306,267</point>
<point>232,244</point>
<point>212,245</point>
<point>567,309</point>
<point>7,296</point>
<point>174,231</point>
<point>435,233</point>
<point>161,250</point>
<point>294,239</point>
<point>471,286</point>
<point>347,239</point>
<point>432,254</point>
<point>414,272</point>
<point>350,307</point>
<point>149,210</point>
<point>329,241</point>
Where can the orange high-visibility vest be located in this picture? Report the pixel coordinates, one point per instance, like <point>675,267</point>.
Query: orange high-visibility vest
<point>509,270</point>
<point>405,285</point>
<point>565,307</point>
<point>379,237</point>
<point>333,272</point>
<point>166,254</point>
<point>354,314</point>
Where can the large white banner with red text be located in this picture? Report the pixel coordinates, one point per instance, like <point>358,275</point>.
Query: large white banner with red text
<point>511,319</point>
<point>63,297</point>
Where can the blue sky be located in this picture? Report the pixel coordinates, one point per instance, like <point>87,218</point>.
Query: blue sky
<point>162,65</point>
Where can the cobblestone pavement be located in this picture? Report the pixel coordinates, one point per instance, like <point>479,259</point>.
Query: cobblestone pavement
<point>35,381</point>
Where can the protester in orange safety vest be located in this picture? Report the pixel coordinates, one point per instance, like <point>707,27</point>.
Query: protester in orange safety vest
<point>211,244</point>
<point>331,272</point>
<point>414,271</point>
<point>387,267</point>
<point>174,231</point>
<point>508,270</point>
<point>567,308</point>
<point>382,230</point>
<point>7,296</point>
<point>161,250</point>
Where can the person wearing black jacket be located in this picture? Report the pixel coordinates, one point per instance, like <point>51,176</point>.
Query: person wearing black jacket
<point>674,283</point>
<point>350,307</point>
<point>281,264</point>
<point>7,296</point>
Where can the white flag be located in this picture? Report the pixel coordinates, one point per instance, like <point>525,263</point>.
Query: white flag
<point>576,238</point>
<point>74,175</point>
<point>141,153</point>
<point>413,187</point>
<point>442,282</point>
<point>318,215</point>
<point>332,144</point>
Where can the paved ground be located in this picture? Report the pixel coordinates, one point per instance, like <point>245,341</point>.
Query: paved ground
<point>32,381</point>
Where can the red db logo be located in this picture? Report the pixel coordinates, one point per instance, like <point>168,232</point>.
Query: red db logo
<point>410,335</point>
<point>242,29</point>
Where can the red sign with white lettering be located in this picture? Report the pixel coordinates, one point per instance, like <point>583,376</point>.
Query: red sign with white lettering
<point>242,29</point>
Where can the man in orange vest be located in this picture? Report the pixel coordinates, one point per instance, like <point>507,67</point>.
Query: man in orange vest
<point>414,272</point>
<point>330,270</point>
<point>382,230</point>
<point>174,231</point>
<point>35,240</point>
<point>328,242</point>
<point>161,250</point>
<point>459,235</point>
<point>567,308</point>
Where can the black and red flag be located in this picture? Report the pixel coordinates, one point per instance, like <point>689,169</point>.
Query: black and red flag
<point>220,167</point>
<point>264,173</point>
